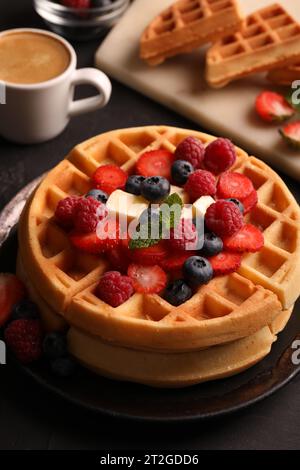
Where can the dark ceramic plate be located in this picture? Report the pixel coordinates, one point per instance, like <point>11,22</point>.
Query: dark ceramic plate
<point>139,402</point>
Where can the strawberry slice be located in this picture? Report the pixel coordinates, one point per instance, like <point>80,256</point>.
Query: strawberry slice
<point>291,134</point>
<point>104,239</point>
<point>225,263</point>
<point>108,178</point>
<point>149,256</point>
<point>271,106</point>
<point>248,239</point>
<point>234,185</point>
<point>155,163</point>
<point>12,291</point>
<point>175,262</point>
<point>250,202</point>
<point>118,259</point>
<point>147,279</point>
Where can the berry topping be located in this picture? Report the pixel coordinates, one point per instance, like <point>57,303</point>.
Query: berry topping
<point>155,163</point>
<point>55,345</point>
<point>63,366</point>
<point>88,213</point>
<point>234,185</point>
<point>291,134</point>
<point>249,239</point>
<point>155,188</point>
<point>220,155</point>
<point>237,203</point>
<point>24,338</point>
<point>114,289</point>
<point>147,279</point>
<point>197,271</point>
<point>99,195</point>
<point>213,245</point>
<point>180,171</point>
<point>76,3</point>
<point>12,291</point>
<point>223,218</point>
<point>119,259</point>
<point>201,183</point>
<point>108,178</point>
<point>177,293</point>
<point>65,211</point>
<point>149,256</point>
<point>225,263</point>
<point>192,150</point>
<point>184,236</point>
<point>133,184</point>
<point>271,106</point>
<point>174,263</point>
<point>25,309</point>
<point>106,238</point>
<point>250,202</point>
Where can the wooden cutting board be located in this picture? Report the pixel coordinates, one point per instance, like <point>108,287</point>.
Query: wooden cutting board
<point>179,84</point>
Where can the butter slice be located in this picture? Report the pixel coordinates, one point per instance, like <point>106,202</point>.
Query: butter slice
<point>201,205</point>
<point>122,204</point>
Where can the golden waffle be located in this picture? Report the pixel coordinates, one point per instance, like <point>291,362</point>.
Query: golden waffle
<point>270,38</point>
<point>186,25</point>
<point>285,75</point>
<point>228,308</point>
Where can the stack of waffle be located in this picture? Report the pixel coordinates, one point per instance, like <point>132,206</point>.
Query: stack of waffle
<point>268,40</point>
<point>228,325</point>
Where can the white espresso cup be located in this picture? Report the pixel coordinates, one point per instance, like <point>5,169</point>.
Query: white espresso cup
<point>33,113</point>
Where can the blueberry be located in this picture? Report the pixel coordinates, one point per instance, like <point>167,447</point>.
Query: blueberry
<point>25,309</point>
<point>99,195</point>
<point>55,345</point>
<point>133,184</point>
<point>63,366</point>
<point>212,246</point>
<point>197,271</point>
<point>237,203</point>
<point>177,293</point>
<point>155,188</point>
<point>180,171</point>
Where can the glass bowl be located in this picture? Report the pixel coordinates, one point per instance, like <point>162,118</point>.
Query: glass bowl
<point>80,24</point>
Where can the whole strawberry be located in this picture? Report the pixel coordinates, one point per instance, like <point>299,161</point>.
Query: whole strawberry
<point>24,337</point>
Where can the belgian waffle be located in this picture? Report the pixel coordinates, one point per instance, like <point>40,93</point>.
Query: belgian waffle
<point>186,25</point>
<point>228,308</point>
<point>285,75</point>
<point>269,39</point>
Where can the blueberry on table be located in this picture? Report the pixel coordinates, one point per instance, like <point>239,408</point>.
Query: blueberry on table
<point>155,188</point>
<point>97,194</point>
<point>213,245</point>
<point>55,345</point>
<point>133,184</point>
<point>197,271</point>
<point>25,310</point>
<point>177,292</point>
<point>180,171</point>
<point>238,203</point>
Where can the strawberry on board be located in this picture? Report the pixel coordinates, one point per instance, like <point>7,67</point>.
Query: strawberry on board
<point>12,291</point>
<point>108,178</point>
<point>234,185</point>
<point>104,239</point>
<point>225,263</point>
<point>147,279</point>
<point>248,239</point>
<point>272,106</point>
<point>155,163</point>
<point>291,134</point>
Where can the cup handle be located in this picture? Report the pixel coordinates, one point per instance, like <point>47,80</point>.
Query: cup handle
<point>96,78</point>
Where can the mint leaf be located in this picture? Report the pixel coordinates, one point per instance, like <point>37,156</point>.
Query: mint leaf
<point>170,217</point>
<point>141,243</point>
<point>174,199</point>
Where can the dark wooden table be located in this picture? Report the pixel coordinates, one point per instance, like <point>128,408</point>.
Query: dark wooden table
<point>32,418</point>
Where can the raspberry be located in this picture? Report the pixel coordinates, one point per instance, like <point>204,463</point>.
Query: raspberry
<point>223,218</point>
<point>65,211</point>
<point>114,289</point>
<point>201,183</point>
<point>191,150</point>
<point>77,3</point>
<point>24,337</point>
<point>220,155</point>
<point>88,213</point>
<point>184,236</point>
